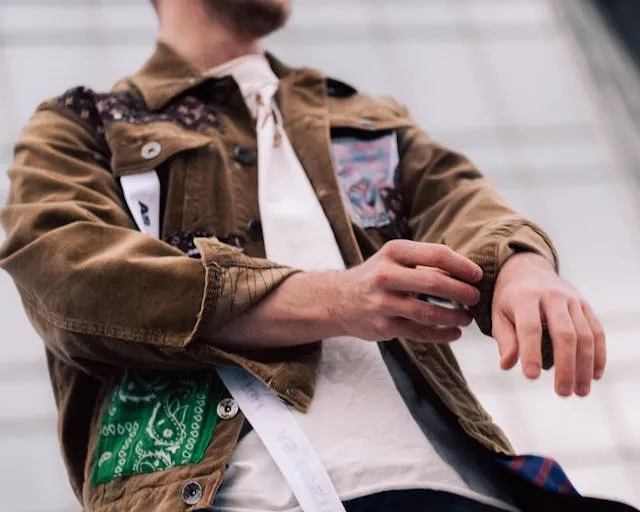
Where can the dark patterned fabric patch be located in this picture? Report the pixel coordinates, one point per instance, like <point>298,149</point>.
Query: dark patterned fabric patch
<point>81,101</point>
<point>183,240</point>
<point>101,109</point>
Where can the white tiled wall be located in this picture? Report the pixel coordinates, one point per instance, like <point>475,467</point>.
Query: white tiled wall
<point>497,79</point>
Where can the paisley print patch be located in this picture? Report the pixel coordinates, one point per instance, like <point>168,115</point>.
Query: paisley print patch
<point>155,422</point>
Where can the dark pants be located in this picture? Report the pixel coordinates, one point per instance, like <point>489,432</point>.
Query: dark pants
<point>416,501</point>
<point>531,498</point>
<point>437,501</point>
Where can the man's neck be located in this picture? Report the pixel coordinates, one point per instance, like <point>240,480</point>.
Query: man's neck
<point>205,42</point>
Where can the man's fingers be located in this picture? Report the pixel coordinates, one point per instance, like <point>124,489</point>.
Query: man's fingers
<point>564,339</point>
<point>505,335</point>
<point>432,282</point>
<point>413,254</point>
<point>428,314</point>
<point>417,332</point>
<point>599,341</point>
<point>584,349</point>
<point>529,332</point>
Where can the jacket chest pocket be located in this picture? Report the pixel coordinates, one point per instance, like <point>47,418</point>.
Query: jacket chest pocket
<point>366,167</point>
<point>366,161</point>
<point>167,181</point>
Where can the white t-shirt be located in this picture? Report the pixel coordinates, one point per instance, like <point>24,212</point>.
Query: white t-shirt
<point>358,423</point>
<point>362,431</point>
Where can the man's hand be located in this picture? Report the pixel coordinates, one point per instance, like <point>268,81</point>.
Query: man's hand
<point>378,300</point>
<point>529,295</point>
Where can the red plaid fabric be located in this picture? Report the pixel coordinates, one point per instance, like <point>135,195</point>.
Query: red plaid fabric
<point>541,471</point>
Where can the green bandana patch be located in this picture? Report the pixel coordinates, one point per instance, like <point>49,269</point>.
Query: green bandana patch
<point>156,421</point>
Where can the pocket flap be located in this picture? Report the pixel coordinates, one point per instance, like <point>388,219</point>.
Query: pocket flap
<point>369,115</point>
<point>140,148</point>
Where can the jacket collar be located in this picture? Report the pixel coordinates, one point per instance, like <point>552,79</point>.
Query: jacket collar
<point>167,74</point>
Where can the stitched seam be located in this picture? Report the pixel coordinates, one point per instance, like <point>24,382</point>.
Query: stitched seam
<point>250,266</point>
<point>124,334</point>
<point>69,114</point>
<point>204,473</point>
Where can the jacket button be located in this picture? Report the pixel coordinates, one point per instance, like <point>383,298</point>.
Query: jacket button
<point>150,150</point>
<point>254,230</point>
<point>191,493</point>
<point>227,409</point>
<point>244,155</point>
<point>221,90</point>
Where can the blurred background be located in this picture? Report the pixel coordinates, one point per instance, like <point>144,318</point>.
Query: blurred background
<point>544,95</point>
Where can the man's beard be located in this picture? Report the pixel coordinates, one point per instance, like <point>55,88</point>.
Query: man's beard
<point>251,19</point>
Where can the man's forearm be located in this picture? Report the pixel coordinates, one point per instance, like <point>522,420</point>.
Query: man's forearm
<point>299,311</point>
<point>376,300</point>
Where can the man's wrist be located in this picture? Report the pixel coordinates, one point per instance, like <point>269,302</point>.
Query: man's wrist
<point>527,259</point>
<point>302,309</point>
<point>321,301</point>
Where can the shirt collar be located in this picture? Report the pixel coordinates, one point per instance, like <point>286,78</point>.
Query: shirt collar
<point>167,74</point>
<point>252,74</point>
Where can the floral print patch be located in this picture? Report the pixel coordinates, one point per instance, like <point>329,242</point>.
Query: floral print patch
<point>366,167</point>
<point>101,109</point>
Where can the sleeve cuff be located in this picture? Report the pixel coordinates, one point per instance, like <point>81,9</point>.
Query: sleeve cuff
<point>234,283</point>
<point>526,237</point>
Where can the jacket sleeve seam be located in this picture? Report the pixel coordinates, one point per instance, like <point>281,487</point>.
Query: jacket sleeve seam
<point>252,266</point>
<point>115,333</point>
<point>70,115</point>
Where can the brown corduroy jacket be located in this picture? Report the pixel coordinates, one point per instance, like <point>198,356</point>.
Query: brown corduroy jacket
<point>106,298</point>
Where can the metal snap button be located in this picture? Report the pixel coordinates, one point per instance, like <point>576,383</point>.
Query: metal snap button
<point>254,230</point>
<point>292,391</point>
<point>150,150</point>
<point>367,123</point>
<point>191,493</point>
<point>244,155</point>
<point>227,409</point>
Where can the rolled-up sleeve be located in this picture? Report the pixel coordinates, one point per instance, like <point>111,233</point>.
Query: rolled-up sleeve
<point>98,291</point>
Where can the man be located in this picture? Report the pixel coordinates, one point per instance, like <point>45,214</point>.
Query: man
<point>201,215</point>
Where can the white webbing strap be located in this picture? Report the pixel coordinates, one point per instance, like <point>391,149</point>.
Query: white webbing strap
<point>284,439</point>
<point>142,194</point>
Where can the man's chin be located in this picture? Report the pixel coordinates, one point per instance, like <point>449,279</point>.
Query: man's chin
<point>253,19</point>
